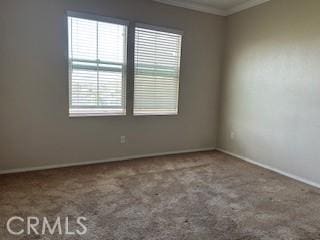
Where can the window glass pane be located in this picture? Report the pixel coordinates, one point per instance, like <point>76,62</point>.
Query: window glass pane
<point>111,38</point>
<point>110,85</point>
<point>84,88</point>
<point>84,39</point>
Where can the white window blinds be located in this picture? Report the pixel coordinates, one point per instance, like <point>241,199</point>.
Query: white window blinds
<point>97,65</point>
<point>157,66</point>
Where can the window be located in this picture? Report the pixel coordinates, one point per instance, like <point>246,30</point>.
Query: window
<point>97,65</point>
<point>157,67</point>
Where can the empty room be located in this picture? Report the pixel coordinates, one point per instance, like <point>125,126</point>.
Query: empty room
<point>160,119</point>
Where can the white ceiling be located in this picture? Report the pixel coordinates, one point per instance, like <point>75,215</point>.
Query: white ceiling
<point>219,7</point>
<point>220,4</point>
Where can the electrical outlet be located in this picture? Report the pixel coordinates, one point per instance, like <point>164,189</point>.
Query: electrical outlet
<point>122,139</point>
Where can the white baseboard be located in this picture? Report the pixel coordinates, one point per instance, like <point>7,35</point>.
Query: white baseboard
<point>114,159</point>
<point>300,179</point>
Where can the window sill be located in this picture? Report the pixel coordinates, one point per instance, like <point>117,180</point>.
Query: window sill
<point>95,113</point>
<point>155,114</point>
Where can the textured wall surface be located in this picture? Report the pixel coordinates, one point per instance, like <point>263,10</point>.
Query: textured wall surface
<point>35,129</point>
<point>271,86</point>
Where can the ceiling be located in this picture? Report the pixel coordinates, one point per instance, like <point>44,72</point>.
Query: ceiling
<point>218,7</point>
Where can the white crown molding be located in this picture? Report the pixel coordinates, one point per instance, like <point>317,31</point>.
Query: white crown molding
<point>246,5</point>
<point>194,6</point>
<point>207,9</point>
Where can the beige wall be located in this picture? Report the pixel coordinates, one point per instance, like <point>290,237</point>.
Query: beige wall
<point>35,129</point>
<point>269,96</point>
<point>271,86</point>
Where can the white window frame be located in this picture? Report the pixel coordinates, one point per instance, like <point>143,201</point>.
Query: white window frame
<point>94,111</point>
<point>162,29</point>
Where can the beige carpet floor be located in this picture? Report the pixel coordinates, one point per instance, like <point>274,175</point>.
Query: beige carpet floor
<point>205,195</point>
